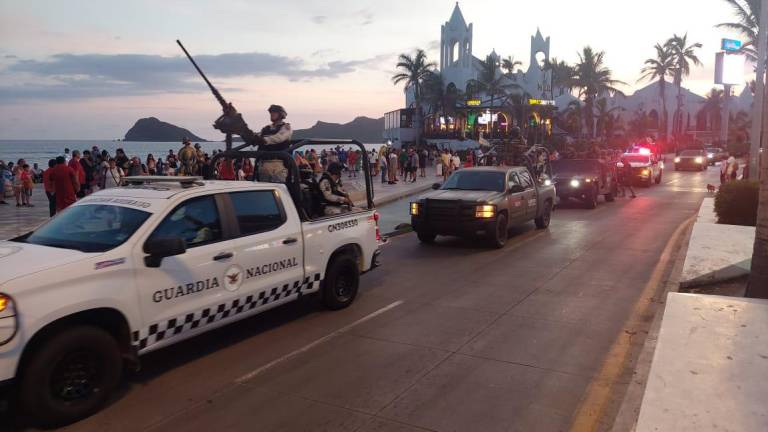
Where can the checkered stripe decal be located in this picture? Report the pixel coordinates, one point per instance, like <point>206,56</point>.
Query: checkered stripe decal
<point>192,320</point>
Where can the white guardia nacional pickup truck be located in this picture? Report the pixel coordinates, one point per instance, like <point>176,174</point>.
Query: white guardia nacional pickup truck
<point>130,270</point>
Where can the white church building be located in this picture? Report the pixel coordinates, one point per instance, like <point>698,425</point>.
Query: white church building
<point>477,115</point>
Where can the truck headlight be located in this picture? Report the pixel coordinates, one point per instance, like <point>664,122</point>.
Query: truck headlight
<point>8,321</point>
<point>699,159</point>
<point>485,211</point>
<point>575,183</point>
<point>710,155</point>
<point>645,172</point>
<point>415,208</point>
<point>677,160</point>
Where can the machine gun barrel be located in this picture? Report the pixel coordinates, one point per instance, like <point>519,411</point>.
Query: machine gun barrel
<point>216,94</point>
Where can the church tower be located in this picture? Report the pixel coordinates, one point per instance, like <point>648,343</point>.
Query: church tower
<point>536,74</point>
<point>456,50</point>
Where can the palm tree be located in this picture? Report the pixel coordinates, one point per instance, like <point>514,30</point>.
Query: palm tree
<point>748,14</point>
<point>659,68</point>
<point>414,69</point>
<point>640,123</point>
<point>509,65</point>
<point>440,98</point>
<point>562,75</point>
<point>574,118</point>
<point>683,55</point>
<point>712,108</point>
<point>604,116</point>
<point>492,83</point>
<point>593,79</point>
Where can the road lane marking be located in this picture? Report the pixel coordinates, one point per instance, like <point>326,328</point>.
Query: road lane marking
<point>596,398</point>
<point>311,345</point>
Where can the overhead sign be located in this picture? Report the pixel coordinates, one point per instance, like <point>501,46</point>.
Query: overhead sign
<point>729,69</point>
<point>474,102</point>
<point>540,102</point>
<point>730,45</point>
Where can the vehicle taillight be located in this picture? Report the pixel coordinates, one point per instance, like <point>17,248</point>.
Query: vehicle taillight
<point>375,218</point>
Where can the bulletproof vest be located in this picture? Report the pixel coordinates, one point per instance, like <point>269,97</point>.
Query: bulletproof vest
<point>334,189</point>
<point>268,131</point>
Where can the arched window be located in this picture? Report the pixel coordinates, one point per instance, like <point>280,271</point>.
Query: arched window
<point>454,52</point>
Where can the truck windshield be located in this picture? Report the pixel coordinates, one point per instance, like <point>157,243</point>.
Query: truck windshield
<point>637,159</point>
<point>571,167</point>
<point>690,153</point>
<point>476,180</point>
<point>89,228</point>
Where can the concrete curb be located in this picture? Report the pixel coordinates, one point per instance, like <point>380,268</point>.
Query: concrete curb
<point>402,194</point>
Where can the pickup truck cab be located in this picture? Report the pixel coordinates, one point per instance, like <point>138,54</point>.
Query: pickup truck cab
<point>584,180</point>
<point>485,201</point>
<point>130,270</point>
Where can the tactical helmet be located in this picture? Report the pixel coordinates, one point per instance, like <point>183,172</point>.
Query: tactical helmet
<point>278,109</point>
<point>334,168</point>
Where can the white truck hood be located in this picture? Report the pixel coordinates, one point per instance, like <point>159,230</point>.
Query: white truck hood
<point>20,259</point>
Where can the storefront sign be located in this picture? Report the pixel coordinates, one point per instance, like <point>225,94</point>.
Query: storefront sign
<point>731,45</point>
<point>473,102</point>
<point>540,102</point>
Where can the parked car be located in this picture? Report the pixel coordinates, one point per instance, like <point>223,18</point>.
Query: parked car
<point>584,180</point>
<point>483,201</point>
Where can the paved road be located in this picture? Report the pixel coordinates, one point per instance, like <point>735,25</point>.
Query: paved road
<point>448,337</point>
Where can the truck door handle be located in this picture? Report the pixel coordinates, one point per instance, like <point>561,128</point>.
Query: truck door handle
<point>290,240</point>
<point>222,256</point>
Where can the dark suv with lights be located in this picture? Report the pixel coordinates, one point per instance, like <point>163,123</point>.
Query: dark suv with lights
<point>485,201</point>
<point>584,180</point>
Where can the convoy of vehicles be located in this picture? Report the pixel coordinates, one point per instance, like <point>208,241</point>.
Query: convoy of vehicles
<point>691,159</point>
<point>126,271</point>
<point>584,180</point>
<point>483,201</point>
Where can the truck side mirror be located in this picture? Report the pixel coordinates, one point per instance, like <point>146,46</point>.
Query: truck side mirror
<point>436,186</point>
<point>159,248</point>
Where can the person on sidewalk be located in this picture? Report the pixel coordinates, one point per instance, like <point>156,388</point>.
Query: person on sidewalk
<point>413,160</point>
<point>423,162</point>
<point>383,170</point>
<point>77,168</point>
<point>113,176</point>
<point>392,165</point>
<point>27,184</point>
<point>50,191</point>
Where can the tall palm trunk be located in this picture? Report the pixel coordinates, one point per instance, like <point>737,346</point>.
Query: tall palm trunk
<point>663,95</point>
<point>757,287</point>
<point>589,118</point>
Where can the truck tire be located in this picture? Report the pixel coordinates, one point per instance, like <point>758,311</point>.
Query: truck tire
<point>342,279</point>
<point>542,222</point>
<point>426,237</point>
<point>70,375</point>
<point>590,201</point>
<point>498,236</point>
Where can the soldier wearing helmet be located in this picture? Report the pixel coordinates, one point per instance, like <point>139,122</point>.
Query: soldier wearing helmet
<point>333,196</point>
<point>276,136</point>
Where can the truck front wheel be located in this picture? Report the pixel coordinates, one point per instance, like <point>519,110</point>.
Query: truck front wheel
<point>497,235</point>
<point>542,222</point>
<point>341,282</point>
<point>70,375</point>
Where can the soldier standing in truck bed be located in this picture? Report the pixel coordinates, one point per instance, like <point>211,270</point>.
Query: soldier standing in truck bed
<point>275,137</point>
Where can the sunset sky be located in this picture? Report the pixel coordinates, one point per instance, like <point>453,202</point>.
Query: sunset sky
<point>89,69</point>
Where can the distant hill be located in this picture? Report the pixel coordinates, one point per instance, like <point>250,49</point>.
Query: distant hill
<point>363,129</point>
<point>152,129</point>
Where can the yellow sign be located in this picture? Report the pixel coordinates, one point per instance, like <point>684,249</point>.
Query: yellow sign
<point>540,102</point>
<point>474,102</point>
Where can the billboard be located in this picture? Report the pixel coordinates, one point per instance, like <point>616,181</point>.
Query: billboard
<point>729,69</point>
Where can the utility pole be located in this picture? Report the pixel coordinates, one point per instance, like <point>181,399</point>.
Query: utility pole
<point>725,115</point>
<point>756,135</point>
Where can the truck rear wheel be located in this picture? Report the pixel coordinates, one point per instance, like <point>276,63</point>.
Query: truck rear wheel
<point>497,236</point>
<point>542,222</point>
<point>341,282</point>
<point>70,375</point>
<point>426,237</point>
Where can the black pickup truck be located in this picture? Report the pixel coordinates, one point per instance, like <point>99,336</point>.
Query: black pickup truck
<point>483,200</point>
<point>584,180</point>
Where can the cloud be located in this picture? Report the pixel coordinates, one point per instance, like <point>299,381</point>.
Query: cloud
<point>366,16</point>
<point>319,19</point>
<point>10,56</point>
<point>68,76</point>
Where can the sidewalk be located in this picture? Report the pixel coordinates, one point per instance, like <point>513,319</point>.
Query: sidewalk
<point>709,366</point>
<point>20,220</point>
<point>716,252</point>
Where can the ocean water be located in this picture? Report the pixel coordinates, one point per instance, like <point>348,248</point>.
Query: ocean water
<point>41,151</point>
